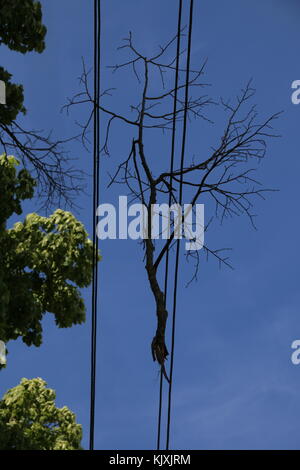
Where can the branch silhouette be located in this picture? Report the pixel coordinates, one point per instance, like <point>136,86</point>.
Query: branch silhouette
<point>225,174</point>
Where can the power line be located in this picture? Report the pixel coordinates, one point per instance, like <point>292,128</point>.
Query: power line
<point>96,167</point>
<point>170,197</point>
<point>180,203</point>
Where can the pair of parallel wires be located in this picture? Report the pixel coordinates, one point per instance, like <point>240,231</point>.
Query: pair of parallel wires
<point>96,188</point>
<point>183,145</point>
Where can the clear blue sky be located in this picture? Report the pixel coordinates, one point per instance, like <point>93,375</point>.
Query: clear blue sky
<point>234,383</point>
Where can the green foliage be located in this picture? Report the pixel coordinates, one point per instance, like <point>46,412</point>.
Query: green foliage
<point>44,260</point>
<point>15,187</point>
<point>29,420</point>
<point>21,27</point>
<point>14,99</point>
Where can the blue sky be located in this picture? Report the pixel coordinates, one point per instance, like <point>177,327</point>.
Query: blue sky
<point>234,383</point>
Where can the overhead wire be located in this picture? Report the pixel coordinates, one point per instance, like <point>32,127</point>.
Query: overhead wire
<point>180,203</point>
<point>170,197</point>
<point>96,193</point>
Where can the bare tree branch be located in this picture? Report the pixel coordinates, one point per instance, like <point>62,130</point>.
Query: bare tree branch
<point>223,175</point>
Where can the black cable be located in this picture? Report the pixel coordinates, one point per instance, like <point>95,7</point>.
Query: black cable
<point>170,197</point>
<point>96,165</point>
<point>180,202</point>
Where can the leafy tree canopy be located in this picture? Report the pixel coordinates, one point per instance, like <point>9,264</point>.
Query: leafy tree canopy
<point>21,27</point>
<point>22,30</point>
<point>44,260</point>
<point>14,99</point>
<point>29,420</point>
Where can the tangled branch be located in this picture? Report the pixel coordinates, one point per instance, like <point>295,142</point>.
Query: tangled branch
<point>225,174</point>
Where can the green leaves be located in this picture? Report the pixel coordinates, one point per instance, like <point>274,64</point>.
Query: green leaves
<point>14,99</point>
<point>21,27</point>
<point>15,187</point>
<point>29,420</point>
<point>22,30</point>
<point>44,260</point>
